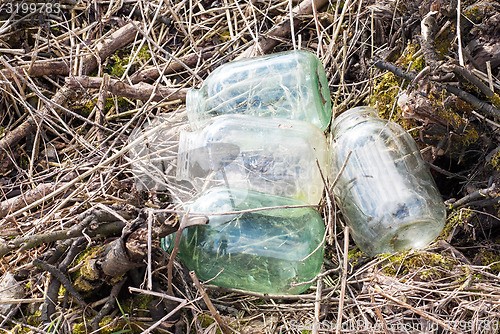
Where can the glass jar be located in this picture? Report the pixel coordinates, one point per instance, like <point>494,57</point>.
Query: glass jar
<point>270,155</point>
<point>267,251</point>
<point>386,192</point>
<point>289,85</point>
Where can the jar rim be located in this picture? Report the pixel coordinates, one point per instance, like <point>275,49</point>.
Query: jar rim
<point>357,112</point>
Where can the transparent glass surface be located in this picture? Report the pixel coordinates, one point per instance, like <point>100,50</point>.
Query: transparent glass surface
<point>275,156</point>
<point>266,251</point>
<point>289,85</point>
<point>386,192</point>
<point>152,155</point>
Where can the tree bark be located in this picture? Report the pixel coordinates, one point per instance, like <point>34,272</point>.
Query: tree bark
<point>141,91</point>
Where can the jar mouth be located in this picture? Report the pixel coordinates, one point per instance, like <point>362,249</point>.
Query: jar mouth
<point>356,115</point>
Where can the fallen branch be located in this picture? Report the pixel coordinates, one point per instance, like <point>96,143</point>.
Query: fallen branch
<point>474,101</point>
<point>423,314</point>
<point>476,195</point>
<point>55,272</point>
<point>58,67</point>
<point>100,106</point>
<point>108,264</point>
<point>68,250</point>
<point>110,304</point>
<point>103,49</point>
<point>151,74</point>
<point>13,204</point>
<point>282,29</point>
<point>141,91</point>
<point>222,325</point>
<point>111,228</point>
<point>30,124</point>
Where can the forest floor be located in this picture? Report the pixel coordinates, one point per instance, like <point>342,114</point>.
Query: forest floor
<point>79,237</point>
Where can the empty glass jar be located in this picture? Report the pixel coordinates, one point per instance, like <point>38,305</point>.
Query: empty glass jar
<point>270,155</point>
<point>386,192</point>
<point>267,251</point>
<point>289,85</point>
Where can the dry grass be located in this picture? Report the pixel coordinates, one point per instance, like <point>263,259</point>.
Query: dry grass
<point>78,161</point>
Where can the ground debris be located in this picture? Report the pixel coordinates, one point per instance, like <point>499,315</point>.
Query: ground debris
<point>80,87</point>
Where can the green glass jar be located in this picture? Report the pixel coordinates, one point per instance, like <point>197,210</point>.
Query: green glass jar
<point>270,155</point>
<point>266,251</point>
<point>386,192</point>
<point>289,85</point>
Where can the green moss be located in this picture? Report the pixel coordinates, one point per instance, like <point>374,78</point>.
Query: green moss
<point>408,56</point>
<point>118,62</point>
<point>121,103</point>
<point>386,87</point>
<point>85,276</point>
<point>443,43</point>
<point>206,321</point>
<point>418,64</point>
<point>86,108</point>
<point>465,133</point>
<point>225,35</point>
<point>426,264</point>
<point>117,65</point>
<point>143,300</point>
<point>354,255</point>
<point>456,218</point>
<point>137,305</point>
<point>79,329</point>
<point>34,319</point>
<point>87,270</point>
<point>384,95</point>
<point>495,161</point>
<point>474,13</point>
<point>495,100</point>
<point>108,326</point>
<point>491,259</point>
<point>144,54</point>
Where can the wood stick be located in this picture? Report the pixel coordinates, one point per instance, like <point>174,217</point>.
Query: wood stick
<point>101,105</point>
<point>45,238</point>
<point>283,28</point>
<point>415,310</point>
<point>344,280</point>
<point>474,101</point>
<point>151,74</point>
<point>141,91</point>
<point>58,67</point>
<point>317,306</point>
<point>222,325</point>
<point>30,124</point>
<point>103,49</point>
<point>13,204</point>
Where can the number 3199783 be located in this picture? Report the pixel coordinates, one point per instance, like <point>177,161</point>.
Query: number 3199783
<point>23,7</point>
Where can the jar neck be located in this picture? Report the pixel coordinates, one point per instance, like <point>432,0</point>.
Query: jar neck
<point>194,99</point>
<point>183,157</point>
<point>353,117</point>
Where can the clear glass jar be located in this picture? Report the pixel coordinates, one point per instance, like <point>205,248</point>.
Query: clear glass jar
<point>289,85</point>
<point>386,192</point>
<point>270,155</point>
<point>267,251</point>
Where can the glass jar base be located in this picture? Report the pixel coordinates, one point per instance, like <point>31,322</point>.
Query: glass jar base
<point>415,235</point>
